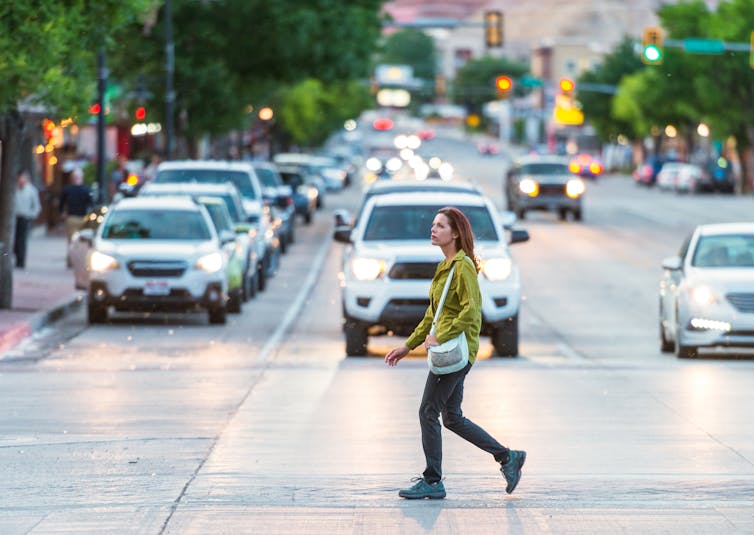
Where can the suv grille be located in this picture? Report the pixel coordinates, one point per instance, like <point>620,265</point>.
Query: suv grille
<point>413,270</point>
<point>157,268</point>
<point>742,302</point>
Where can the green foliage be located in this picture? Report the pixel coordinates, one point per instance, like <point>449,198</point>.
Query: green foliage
<point>475,82</point>
<point>621,62</point>
<point>231,53</point>
<point>411,47</point>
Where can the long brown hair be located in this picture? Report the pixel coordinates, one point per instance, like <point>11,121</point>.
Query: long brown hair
<point>460,223</point>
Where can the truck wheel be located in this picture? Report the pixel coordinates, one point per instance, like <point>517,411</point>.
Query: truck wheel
<point>217,315</point>
<point>234,301</point>
<point>505,337</point>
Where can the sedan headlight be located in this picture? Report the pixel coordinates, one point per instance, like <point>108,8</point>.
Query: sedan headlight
<point>211,263</point>
<point>102,262</point>
<point>575,188</point>
<point>529,187</point>
<point>497,269</point>
<point>703,295</point>
<point>367,269</point>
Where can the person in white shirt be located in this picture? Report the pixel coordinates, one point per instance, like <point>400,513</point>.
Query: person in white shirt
<point>27,209</point>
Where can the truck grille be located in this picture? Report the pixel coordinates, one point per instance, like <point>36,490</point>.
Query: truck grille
<point>552,189</point>
<point>157,268</point>
<point>413,270</point>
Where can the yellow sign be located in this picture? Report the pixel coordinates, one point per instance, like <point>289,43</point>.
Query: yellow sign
<point>472,120</point>
<point>566,111</point>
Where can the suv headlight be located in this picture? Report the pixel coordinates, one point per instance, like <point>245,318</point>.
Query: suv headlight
<point>211,263</point>
<point>102,262</point>
<point>703,295</point>
<point>529,187</point>
<point>575,187</point>
<point>367,269</point>
<point>497,269</point>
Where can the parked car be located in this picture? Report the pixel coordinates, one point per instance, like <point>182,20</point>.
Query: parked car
<point>280,196</point>
<point>305,194</point>
<point>157,254</point>
<point>389,262</point>
<point>707,291</point>
<point>645,173</point>
<point>244,178</point>
<point>692,178</point>
<point>250,243</point>
<point>488,148</point>
<point>544,183</point>
<point>667,177</point>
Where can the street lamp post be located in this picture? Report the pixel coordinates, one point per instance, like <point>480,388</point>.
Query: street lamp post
<point>169,72</point>
<point>101,84</point>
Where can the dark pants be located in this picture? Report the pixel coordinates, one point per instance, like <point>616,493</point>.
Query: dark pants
<point>20,240</point>
<point>443,395</point>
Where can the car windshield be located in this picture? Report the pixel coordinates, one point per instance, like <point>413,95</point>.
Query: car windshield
<point>415,222</point>
<point>156,225</point>
<point>729,250</point>
<point>208,176</point>
<point>267,177</point>
<point>219,216</point>
<point>544,169</point>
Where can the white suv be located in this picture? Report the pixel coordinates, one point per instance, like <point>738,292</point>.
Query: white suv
<point>390,262</point>
<point>157,253</point>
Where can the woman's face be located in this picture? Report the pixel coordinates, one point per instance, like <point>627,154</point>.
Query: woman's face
<point>442,234</point>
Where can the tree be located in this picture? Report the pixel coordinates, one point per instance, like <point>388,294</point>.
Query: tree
<point>474,84</point>
<point>231,53</point>
<point>621,62</point>
<point>57,78</point>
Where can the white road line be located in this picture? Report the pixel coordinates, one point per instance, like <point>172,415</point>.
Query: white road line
<point>272,344</point>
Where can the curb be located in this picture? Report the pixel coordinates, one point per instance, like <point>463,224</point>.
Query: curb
<point>39,320</point>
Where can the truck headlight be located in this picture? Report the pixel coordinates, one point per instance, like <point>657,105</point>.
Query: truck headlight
<point>101,262</point>
<point>211,263</point>
<point>703,295</point>
<point>367,269</point>
<point>497,269</point>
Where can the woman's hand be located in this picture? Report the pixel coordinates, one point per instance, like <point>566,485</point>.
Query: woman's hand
<point>396,354</point>
<point>431,340</point>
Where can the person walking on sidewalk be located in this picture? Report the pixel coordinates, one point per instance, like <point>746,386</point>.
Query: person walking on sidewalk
<point>75,203</point>
<point>27,208</point>
<point>462,312</point>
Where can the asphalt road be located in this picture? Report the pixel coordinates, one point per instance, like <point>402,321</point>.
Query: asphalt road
<point>164,424</point>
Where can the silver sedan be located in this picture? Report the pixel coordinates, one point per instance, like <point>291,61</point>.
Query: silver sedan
<point>707,291</point>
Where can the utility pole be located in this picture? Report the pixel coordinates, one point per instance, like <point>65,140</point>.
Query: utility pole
<point>101,85</point>
<point>169,71</point>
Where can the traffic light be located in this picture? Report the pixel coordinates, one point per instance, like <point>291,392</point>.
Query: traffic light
<point>651,46</point>
<point>566,86</point>
<point>493,29</point>
<point>140,113</point>
<point>751,50</point>
<point>504,84</point>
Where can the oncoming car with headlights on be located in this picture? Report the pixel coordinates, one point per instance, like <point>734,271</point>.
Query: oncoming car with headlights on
<point>389,262</point>
<point>544,183</point>
<point>707,291</point>
<point>158,253</point>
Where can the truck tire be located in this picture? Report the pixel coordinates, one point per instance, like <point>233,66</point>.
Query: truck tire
<point>356,338</point>
<point>505,337</point>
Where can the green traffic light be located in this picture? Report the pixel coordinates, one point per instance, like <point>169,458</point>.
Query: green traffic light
<point>652,53</point>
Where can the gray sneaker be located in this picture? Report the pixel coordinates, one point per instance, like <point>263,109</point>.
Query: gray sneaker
<point>421,489</point>
<point>512,469</point>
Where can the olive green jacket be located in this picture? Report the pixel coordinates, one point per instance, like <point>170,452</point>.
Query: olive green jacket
<point>462,311</point>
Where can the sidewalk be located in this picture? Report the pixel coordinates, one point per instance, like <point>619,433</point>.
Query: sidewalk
<point>42,292</point>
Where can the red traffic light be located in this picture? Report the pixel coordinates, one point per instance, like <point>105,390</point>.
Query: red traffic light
<point>567,85</point>
<point>94,108</point>
<point>140,113</point>
<point>503,83</point>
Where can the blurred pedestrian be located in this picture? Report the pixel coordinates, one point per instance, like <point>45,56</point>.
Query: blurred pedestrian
<point>119,175</point>
<point>461,313</point>
<point>75,203</point>
<point>27,208</point>
<point>150,171</point>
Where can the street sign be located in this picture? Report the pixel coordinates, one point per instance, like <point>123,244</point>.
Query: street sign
<point>566,112</point>
<point>530,81</point>
<point>703,46</point>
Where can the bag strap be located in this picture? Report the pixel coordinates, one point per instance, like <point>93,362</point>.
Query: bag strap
<point>433,329</point>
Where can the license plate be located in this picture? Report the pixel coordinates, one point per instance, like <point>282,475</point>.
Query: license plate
<point>156,288</point>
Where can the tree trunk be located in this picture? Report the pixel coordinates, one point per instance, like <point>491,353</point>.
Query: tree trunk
<point>11,125</point>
